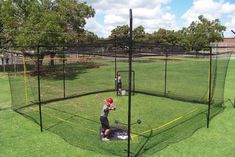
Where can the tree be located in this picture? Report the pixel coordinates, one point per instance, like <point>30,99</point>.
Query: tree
<point>201,33</point>
<point>48,22</point>
<point>139,34</point>
<point>167,37</point>
<point>8,21</point>
<point>44,22</point>
<point>120,33</point>
<point>183,38</point>
<point>89,37</point>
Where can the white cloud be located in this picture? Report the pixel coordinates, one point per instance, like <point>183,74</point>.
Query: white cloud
<point>94,26</point>
<point>230,25</point>
<point>155,14</point>
<point>151,14</point>
<point>114,19</point>
<point>212,9</point>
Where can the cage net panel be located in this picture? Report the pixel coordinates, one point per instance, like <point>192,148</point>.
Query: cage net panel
<point>74,84</point>
<point>220,61</point>
<point>149,74</point>
<point>192,75</point>
<point>86,73</point>
<point>74,91</point>
<point>23,86</point>
<point>51,76</point>
<point>66,72</point>
<point>6,64</point>
<point>183,108</point>
<point>148,64</point>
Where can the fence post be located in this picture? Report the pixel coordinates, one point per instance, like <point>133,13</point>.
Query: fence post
<point>130,82</point>
<point>115,64</point>
<point>39,88</point>
<point>209,96</point>
<point>64,71</point>
<point>165,85</point>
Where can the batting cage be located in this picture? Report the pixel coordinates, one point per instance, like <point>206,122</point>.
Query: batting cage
<point>162,93</point>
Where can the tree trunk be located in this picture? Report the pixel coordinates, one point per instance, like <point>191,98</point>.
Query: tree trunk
<point>7,60</point>
<point>52,56</point>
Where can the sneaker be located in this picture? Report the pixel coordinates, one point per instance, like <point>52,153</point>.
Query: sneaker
<point>122,137</point>
<point>105,139</point>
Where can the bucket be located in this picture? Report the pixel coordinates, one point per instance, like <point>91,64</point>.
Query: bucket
<point>123,92</point>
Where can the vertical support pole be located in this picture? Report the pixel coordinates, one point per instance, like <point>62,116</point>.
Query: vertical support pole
<point>209,96</point>
<point>64,72</point>
<point>10,75</point>
<point>13,61</point>
<point>115,65</point>
<point>129,86</point>
<point>133,82</point>
<point>4,68</point>
<point>1,65</point>
<point>25,81</point>
<point>165,84</point>
<point>39,88</point>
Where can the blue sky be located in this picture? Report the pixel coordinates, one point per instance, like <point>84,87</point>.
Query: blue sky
<point>155,14</point>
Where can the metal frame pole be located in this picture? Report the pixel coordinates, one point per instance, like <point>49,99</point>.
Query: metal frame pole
<point>115,65</point>
<point>165,85</point>
<point>133,83</point>
<point>130,81</point>
<point>10,85</point>
<point>209,96</point>
<point>39,89</point>
<point>64,72</point>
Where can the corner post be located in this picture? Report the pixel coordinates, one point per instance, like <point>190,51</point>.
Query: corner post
<point>39,87</point>
<point>209,96</point>
<point>130,82</point>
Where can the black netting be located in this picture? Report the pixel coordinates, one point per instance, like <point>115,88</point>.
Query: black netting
<point>23,86</point>
<point>182,80</point>
<point>170,91</point>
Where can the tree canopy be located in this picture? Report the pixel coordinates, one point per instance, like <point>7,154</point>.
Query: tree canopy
<point>198,35</point>
<point>120,32</point>
<point>51,22</point>
<point>201,33</point>
<point>32,22</point>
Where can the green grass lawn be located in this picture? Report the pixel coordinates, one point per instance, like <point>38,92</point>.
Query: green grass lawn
<point>83,78</point>
<point>77,121</point>
<point>67,132</point>
<point>5,96</point>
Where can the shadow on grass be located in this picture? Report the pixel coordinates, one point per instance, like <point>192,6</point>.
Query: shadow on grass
<point>5,108</point>
<point>26,115</point>
<point>72,116</point>
<point>72,70</point>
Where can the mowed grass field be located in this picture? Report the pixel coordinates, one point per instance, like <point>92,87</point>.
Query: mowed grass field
<point>76,121</point>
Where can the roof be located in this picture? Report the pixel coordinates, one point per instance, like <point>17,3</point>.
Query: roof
<point>229,40</point>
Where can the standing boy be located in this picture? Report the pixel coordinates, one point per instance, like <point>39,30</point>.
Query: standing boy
<point>104,118</point>
<point>119,84</point>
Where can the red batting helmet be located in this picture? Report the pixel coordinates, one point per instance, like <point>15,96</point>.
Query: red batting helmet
<point>109,100</point>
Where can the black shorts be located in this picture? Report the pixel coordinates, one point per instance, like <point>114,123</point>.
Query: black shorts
<point>104,122</point>
<point>119,85</point>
